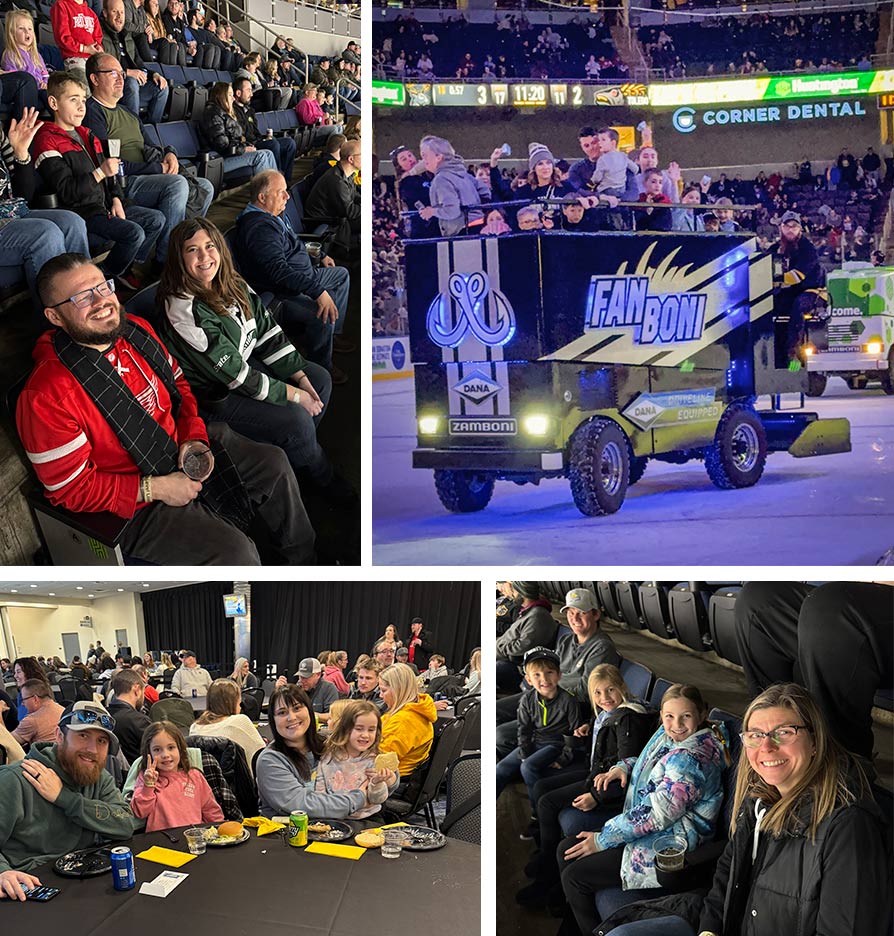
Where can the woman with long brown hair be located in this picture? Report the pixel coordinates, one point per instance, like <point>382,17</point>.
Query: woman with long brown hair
<point>243,369</point>
<point>222,132</point>
<point>223,718</point>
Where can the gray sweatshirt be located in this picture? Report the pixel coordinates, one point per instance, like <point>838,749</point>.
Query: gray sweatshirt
<point>185,680</point>
<point>451,188</point>
<point>280,790</point>
<point>577,661</point>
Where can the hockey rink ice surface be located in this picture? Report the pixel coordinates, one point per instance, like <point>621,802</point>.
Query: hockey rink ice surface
<point>829,510</point>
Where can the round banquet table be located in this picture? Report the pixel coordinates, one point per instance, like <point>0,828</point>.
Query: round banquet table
<point>267,888</point>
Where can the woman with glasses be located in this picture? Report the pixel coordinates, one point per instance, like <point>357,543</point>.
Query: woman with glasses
<point>806,854</point>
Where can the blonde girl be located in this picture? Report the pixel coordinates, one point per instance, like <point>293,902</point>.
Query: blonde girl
<point>408,722</point>
<point>21,52</point>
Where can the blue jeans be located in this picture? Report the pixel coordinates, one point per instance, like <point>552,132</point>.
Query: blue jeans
<point>29,242</point>
<point>664,926</point>
<point>168,194</point>
<point>133,236</point>
<point>301,311</point>
<point>283,149</point>
<point>148,95</point>
<point>531,769</point>
<point>572,820</point>
<point>258,161</point>
<point>286,425</point>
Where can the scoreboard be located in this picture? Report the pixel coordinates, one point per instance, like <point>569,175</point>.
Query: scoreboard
<point>523,94</point>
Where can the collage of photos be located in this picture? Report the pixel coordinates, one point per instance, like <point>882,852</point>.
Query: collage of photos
<point>603,291</point>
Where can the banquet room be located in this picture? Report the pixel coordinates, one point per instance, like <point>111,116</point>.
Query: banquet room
<point>170,743</point>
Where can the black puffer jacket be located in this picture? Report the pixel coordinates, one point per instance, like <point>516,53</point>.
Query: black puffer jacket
<point>222,132</point>
<point>841,883</point>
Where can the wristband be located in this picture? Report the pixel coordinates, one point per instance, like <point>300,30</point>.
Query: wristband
<point>146,488</point>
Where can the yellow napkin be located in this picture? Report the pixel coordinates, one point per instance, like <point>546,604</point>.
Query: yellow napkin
<point>263,825</point>
<point>336,851</point>
<point>166,856</point>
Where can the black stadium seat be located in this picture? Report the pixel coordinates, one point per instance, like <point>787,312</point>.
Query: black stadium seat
<point>653,599</point>
<point>628,602</point>
<point>722,623</point>
<point>688,605</point>
<point>608,601</point>
<point>637,677</point>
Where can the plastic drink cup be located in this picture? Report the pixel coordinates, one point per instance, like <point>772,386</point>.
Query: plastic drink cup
<point>393,844</point>
<point>197,461</point>
<point>195,839</point>
<point>670,852</point>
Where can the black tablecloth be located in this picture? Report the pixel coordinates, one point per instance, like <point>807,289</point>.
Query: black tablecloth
<point>265,888</point>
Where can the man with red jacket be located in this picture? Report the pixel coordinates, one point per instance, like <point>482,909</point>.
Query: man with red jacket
<point>107,420</point>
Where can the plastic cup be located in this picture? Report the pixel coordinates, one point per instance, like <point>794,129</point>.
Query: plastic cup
<point>198,461</point>
<point>670,853</point>
<point>195,839</point>
<point>393,844</point>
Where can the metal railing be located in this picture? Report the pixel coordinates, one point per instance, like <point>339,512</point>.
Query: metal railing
<point>339,97</point>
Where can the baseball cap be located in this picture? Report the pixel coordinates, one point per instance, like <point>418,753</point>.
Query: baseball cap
<point>416,620</point>
<point>308,666</point>
<point>85,715</point>
<point>187,653</point>
<point>791,216</point>
<point>541,653</point>
<point>582,599</point>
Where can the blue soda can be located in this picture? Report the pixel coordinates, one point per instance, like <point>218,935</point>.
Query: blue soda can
<point>123,874</point>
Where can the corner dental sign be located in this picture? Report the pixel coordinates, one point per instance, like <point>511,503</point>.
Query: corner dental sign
<point>624,301</point>
<point>462,311</point>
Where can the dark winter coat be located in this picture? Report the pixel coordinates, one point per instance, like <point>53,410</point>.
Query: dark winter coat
<point>542,722</point>
<point>534,627</point>
<point>623,734</point>
<point>222,132</point>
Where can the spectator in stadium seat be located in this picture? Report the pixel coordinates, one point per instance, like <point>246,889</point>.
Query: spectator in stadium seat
<point>43,713</point>
<point>84,466</point>
<point>77,31</point>
<point>529,218</point>
<point>847,166</point>
<point>30,241</point>
<point>207,44</point>
<point>352,53</point>
<point>20,48</point>
<point>806,853</point>
<point>273,258</point>
<point>136,25</point>
<point>533,627</point>
<point>223,133</point>
<point>686,219</point>
<point>321,75</point>
<point>725,216</point>
<point>175,25</point>
<point>283,148</point>
<point>275,79</point>
<point>610,175</point>
<point>153,177</point>
<point>336,195</point>
<point>140,88</point>
<point>226,340</point>
<point>127,709</point>
<point>412,185</point>
<point>653,219</point>
<point>70,160</point>
<point>167,50</point>
<point>329,157</point>
<point>310,114</point>
<point>453,192</point>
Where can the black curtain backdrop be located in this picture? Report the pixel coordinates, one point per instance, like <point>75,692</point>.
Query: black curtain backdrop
<point>190,618</point>
<point>293,620</point>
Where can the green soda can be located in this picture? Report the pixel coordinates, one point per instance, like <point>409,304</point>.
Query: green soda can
<point>298,828</point>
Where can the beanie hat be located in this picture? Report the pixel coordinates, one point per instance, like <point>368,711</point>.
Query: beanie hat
<point>536,152</point>
<point>529,590</point>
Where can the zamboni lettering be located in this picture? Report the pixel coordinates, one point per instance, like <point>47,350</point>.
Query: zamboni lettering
<point>624,301</point>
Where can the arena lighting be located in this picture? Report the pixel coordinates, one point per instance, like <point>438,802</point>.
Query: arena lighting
<point>428,425</point>
<point>536,425</point>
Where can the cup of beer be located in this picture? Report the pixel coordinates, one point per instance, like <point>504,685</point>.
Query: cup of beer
<point>670,852</point>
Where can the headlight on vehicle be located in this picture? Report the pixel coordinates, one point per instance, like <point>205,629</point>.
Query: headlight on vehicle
<point>874,347</point>
<point>809,350</point>
<point>536,425</point>
<point>428,425</point>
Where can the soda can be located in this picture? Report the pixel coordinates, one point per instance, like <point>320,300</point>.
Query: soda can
<point>298,828</point>
<point>123,875</point>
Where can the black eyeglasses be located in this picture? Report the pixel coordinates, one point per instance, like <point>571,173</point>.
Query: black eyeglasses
<point>84,298</point>
<point>109,71</point>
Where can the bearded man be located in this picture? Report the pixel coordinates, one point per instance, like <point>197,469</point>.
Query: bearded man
<point>60,798</point>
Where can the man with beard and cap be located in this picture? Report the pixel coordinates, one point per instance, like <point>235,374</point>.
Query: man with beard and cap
<point>534,627</point>
<point>60,798</point>
<point>453,192</point>
<point>802,275</point>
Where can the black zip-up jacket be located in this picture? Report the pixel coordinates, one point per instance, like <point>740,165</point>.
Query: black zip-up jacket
<point>803,262</point>
<point>623,734</point>
<point>245,116</point>
<point>222,132</point>
<point>546,721</point>
<point>534,627</point>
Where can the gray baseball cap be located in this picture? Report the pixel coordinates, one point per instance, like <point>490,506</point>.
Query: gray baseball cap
<point>85,716</point>
<point>582,599</point>
<point>790,216</point>
<point>308,666</point>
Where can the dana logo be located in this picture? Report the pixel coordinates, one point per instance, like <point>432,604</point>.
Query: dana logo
<point>463,311</point>
<point>624,301</point>
<point>398,355</point>
<point>477,388</point>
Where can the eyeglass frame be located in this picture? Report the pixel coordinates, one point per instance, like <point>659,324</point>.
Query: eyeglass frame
<point>111,71</point>
<point>90,292</point>
<point>773,736</point>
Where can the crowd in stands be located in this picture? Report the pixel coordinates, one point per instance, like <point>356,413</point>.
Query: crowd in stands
<point>776,811</point>
<point>761,43</point>
<point>389,313</point>
<point>142,752</point>
<point>86,135</point>
<point>513,47</point>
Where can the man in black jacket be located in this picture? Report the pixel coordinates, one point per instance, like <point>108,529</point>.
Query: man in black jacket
<point>283,148</point>
<point>336,196</point>
<point>320,74</point>
<point>127,709</point>
<point>802,275</point>
<point>273,258</point>
<point>141,89</point>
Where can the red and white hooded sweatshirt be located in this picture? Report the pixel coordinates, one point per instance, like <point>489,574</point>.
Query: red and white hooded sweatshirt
<point>74,25</point>
<point>76,454</point>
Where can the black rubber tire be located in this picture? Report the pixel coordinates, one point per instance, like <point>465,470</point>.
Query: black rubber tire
<point>888,379</point>
<point>816,383</point>
<point>638,465</point>
<point>738,454</point>
<point>598,467</point>
<point>463,491</point>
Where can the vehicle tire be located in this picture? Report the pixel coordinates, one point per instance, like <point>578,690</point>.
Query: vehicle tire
<point>816,384</point>
<point>888,378</point>
<point>463,491</point>
<point>599,467</point>
<point>637,468</point>
<point>737,457</point>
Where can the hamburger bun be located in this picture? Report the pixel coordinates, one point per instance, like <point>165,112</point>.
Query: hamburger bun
<point>230,828</point>
<point>369,839</point>
<point>387,761</point>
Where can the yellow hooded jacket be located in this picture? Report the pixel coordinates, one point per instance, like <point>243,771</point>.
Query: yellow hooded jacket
<point>409,733</point>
